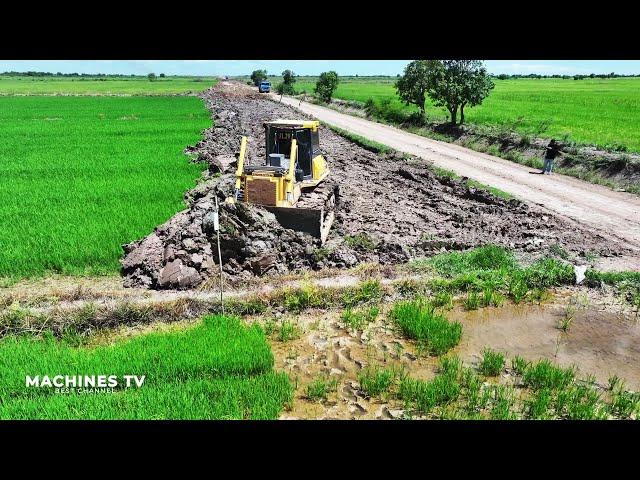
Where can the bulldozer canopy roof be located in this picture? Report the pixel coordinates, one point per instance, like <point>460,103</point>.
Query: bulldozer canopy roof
<point>313,124</point>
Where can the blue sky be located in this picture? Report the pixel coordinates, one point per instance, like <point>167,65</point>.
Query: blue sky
<point>307,67</point>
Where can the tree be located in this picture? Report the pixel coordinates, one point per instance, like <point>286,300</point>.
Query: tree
<point>162,75</point>
<point>258,76</point>
<point>458,83</point>
<point>286,86</point>
<point>413,85</point>
<point>326,85</point>
<point>288,77</point>
<point>285,89</point>
<point>152,77</point>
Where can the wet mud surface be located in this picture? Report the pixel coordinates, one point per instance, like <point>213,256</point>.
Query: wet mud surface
<point>600,342</point>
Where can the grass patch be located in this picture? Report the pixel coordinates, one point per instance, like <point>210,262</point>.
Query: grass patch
<point>444,388</point>
<point>493,190</point>
<point>374,381</point>
<point>19,320</point>
<point>357,319</point>
<point>546,375</point>
<point>369,291</point>
<point>219,369</point>
<point>627,284</point>
<point>360,241</point>
<point>488,275</point>
<point>418,320</point>
<point>320,388</point>
<point>472,301</point>
<point>546,391</point>
<point>492,363</point>
<point>489,257</point>
<point>283,331</point>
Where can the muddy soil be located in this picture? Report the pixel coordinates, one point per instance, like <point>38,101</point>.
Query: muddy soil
<point>600,342</point>
<point>397,202</point>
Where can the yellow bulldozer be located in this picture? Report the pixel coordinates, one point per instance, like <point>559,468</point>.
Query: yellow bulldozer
<point>292,180</point>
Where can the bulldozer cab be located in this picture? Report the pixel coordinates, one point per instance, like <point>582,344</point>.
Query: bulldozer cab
<point>279,135</point>
<point>291,183</point>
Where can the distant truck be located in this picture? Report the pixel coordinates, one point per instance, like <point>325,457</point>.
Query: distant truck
<point>264,87</point>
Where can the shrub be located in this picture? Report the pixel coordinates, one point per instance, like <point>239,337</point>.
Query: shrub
<point>326,85</point>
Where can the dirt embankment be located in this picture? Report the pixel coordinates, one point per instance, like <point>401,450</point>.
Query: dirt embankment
<point>398,206</point>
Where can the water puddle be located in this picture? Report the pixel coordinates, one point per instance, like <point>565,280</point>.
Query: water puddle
<point>597,342</point>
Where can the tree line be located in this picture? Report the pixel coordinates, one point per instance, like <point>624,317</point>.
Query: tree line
<point>60,74</point>
<point>504,76</point>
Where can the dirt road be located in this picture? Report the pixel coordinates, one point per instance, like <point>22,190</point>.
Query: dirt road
<point>613,214</point>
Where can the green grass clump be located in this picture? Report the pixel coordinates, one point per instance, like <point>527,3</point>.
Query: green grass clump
<point>357,319</point>
<point>360,241</point>
<point>369,291</point>
<point>594,277</point>
<point>492,362</point>
<point>219,369</point>
<point>418,320</point>
<point>298,299</point>
<point>625,404</point>
<point>546,375</point>
<point>375,381</point>
<point>284,331</point>
<point>503,400</point>
<point>320,388</point>
<point>489,274</point>
<point>443,300</point>
<point>488,257</point>
<point>545,391</point>
<point>83,175</point>
<point>626,283</point>
<point>519,365</point>
<point>579,402</point>
<point>539,405</point>
<point>309,296</point>
<point>443,389</point>
<point>493,190</point>
<point>472,301</point>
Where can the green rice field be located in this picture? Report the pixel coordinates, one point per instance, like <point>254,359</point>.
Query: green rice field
<point>24,85</point>
<point>217,369</point>
<point>83,175</point>
<point>602,112</point>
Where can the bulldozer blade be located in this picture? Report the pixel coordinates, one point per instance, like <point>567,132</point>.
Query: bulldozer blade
<point>309,220</point>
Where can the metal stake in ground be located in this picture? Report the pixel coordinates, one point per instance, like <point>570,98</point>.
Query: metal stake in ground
<point>216,227</point>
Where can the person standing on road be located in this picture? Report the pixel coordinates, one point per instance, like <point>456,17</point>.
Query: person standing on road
<point>553,150</point>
